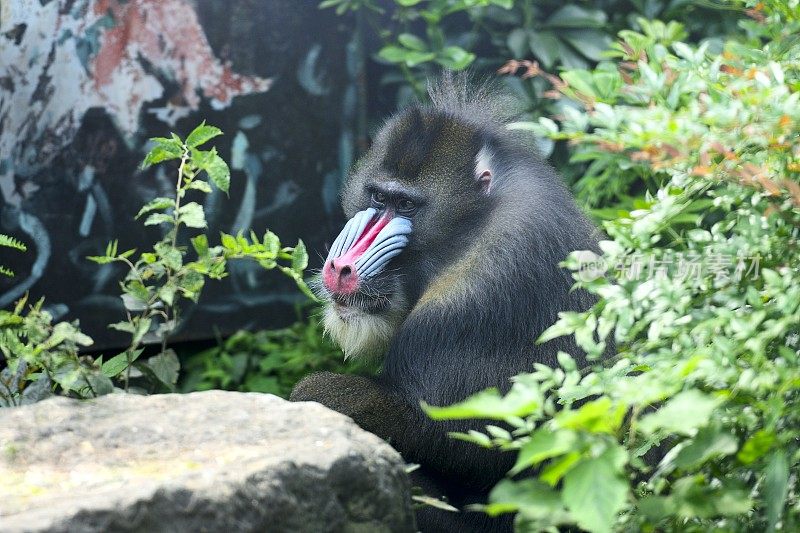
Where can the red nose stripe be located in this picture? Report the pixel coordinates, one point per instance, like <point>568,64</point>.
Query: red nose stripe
<point>365,240</point>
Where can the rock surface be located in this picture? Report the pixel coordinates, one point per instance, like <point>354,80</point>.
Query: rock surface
<point>206,461</point>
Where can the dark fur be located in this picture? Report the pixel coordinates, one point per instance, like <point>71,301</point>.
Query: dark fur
<point>480,331</point>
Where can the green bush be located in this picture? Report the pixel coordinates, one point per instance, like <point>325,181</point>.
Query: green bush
<point>270,361</point>
<point>698,286</point>
<point>420,37</point>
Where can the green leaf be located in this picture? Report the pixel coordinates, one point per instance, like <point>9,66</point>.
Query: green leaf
<point>201,135</point>
<point>219,172</point>
<point>544,45</point>
<point>411,41</point>
<point>156,204</point>
<point>10,242</point>
<point>119,363</point>
<point>200,245</point>
<point>299,257</point>
<point>488,404</point>
<point>756,446</point>
<point>776,486</point>
<point>505,4</point>
<point>126,327</point>
<point>682,414</point>
<point>192,215</point>
<point>171,257</point>
<point>517,42</point>
<point>709,443</point>
<point>199,185</point>
<point>528,496</point>
<point>581,81</point>
<point>556,469</point>
<point>408,3</point>
<point>597,416</point>
<point>544,444</point>
<point>164,150</point>
<point>591,43</point>
<point>142,327</point>
<point>272,243</point>
<point>454,58</point>
<point>158,218</point>
<point>573,16</point>
<point>166,367</point>
<point>396,54</point>
<point>595,490</point>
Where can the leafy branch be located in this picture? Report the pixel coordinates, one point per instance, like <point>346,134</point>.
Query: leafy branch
<point>161,278</point>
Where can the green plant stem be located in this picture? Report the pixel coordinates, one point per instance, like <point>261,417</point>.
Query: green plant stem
<point>178,190</point>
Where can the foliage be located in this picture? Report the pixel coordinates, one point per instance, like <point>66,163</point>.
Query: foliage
<point>9,242</point>
<point>694,424</point>
<point>271,361</point>
<point>42,358</point>
<point>419,37</point>
<point>159,279</point>
<point>40,355</point>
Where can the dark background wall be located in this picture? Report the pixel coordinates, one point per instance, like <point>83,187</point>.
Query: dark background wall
<point>85,83</point>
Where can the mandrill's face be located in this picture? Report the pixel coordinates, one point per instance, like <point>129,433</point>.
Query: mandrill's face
<point>365,298</point>
<point>409,202</point>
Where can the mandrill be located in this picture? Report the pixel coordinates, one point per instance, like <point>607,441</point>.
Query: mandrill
<point>447,271</point>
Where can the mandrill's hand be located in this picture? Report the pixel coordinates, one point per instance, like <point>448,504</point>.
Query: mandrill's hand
<point>369,404</point>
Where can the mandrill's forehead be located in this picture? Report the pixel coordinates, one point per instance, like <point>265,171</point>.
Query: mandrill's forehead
<point>424,142</point>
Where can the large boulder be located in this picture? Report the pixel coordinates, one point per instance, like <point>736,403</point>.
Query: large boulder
<point>206,461</point>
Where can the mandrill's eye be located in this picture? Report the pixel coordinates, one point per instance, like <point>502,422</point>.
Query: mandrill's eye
<point>378,199</point>
<point>406,206</point>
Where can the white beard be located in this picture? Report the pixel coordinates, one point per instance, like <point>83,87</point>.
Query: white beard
<point>361,334</point>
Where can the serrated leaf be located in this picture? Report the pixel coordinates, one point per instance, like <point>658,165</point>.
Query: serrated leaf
<point>595,490</point>
<point>164,150</point>
<point>530,497</point>
<point>219,173</point>
<point>192,215</point>
<point>200,185</point>
<point>488,404</point>
<point>158,218</point>
<point>272,243</point>
<point>544,444</point>
<point>299,257</point>
<point>166,367</point>
<point>202,134</point>
<point>171,257</point>
<point>156,204</point>
<point>682,414</point>
<point>707,444</point>
<point>142,327</point>
<point>119,363</point>
<point>200,245</point>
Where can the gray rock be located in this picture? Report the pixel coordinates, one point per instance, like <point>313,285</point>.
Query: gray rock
<point>206,461</point>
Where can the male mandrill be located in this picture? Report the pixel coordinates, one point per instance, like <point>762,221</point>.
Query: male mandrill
<point>448,271</point>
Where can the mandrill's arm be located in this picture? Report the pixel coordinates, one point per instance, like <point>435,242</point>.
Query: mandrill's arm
<point>372,406</point>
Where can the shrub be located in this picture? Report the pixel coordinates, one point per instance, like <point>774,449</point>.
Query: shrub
<point>271,361</point>
<point>698,285</point>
